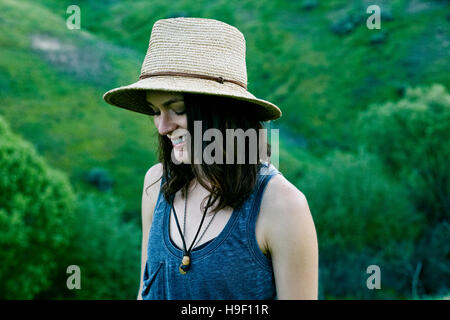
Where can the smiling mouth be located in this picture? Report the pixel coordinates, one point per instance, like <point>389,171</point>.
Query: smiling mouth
<point>178,141</point>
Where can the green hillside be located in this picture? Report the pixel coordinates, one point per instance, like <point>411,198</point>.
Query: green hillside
<point>52,78</point>
<point>316,60</point>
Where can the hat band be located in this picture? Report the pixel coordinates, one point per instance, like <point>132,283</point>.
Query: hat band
<point>192,75</point>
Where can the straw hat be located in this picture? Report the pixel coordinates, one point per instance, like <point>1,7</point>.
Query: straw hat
<point>194,55</point>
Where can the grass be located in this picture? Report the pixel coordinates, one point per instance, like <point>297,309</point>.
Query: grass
<point>321,80</point>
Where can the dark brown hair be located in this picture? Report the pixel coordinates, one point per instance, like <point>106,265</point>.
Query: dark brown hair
<point>228,184</point>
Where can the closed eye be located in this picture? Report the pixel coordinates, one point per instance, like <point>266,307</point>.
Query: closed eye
<point>177,112</point>
<point>155,112</point>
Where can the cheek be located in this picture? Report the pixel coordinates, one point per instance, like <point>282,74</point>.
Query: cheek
<point>183,122</point>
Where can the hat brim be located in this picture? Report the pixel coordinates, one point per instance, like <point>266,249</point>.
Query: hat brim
<point>133,96</point>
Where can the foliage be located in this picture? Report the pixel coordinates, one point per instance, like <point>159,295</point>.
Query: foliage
<point>100,178</point>
<point>106,248</point>
<point>36,218</point>
<point>362,217</point>
<point>412,137</point>
<point>357,205</point>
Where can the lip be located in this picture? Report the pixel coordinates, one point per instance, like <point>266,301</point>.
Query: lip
<point>177,145</point>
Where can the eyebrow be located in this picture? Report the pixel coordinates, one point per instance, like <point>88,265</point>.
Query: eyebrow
<point>168,102</point>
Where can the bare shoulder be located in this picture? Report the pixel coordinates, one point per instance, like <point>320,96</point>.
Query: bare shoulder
<point>282,196</point>
<point>153,175</point>
<point>285,213</point>
<point>151,190</point>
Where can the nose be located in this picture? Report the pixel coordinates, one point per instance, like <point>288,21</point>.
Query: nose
<point>165,123</point>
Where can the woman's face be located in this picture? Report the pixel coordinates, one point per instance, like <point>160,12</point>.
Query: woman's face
<point>170,119</point>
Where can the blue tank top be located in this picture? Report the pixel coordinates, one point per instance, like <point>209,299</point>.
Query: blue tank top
<point>229,267</point>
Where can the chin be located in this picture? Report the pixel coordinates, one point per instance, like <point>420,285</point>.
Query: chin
<point>180,156</point>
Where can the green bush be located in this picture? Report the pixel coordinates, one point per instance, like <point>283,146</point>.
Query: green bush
<point>362,217</point>
<point>36,218</point>
<point>106,248</point>
<point>343,274</point>
<point>356,204</point>
<point>433,254</point>
<point>412,137</point>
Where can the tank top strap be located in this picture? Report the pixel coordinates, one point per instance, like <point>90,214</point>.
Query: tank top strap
<point>250,211</point>
<point>160,201</point>
<point>266,172</point>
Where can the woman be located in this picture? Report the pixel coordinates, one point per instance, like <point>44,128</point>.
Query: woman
<point>216,223</point>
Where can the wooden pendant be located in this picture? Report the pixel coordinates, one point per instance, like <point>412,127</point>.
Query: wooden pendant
<point>186,260</point>
<point>185,264</point>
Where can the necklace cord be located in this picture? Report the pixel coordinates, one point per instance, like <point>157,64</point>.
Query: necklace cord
<point>206,227</point>
<point>201,223</point>
<point>178,226</point>
<point>187,252</point>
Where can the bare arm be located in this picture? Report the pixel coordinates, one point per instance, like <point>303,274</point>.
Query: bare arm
<point>149,197</point>
<point>292,241</point>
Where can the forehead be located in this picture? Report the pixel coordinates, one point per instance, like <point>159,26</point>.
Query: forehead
<point>159,97</point>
